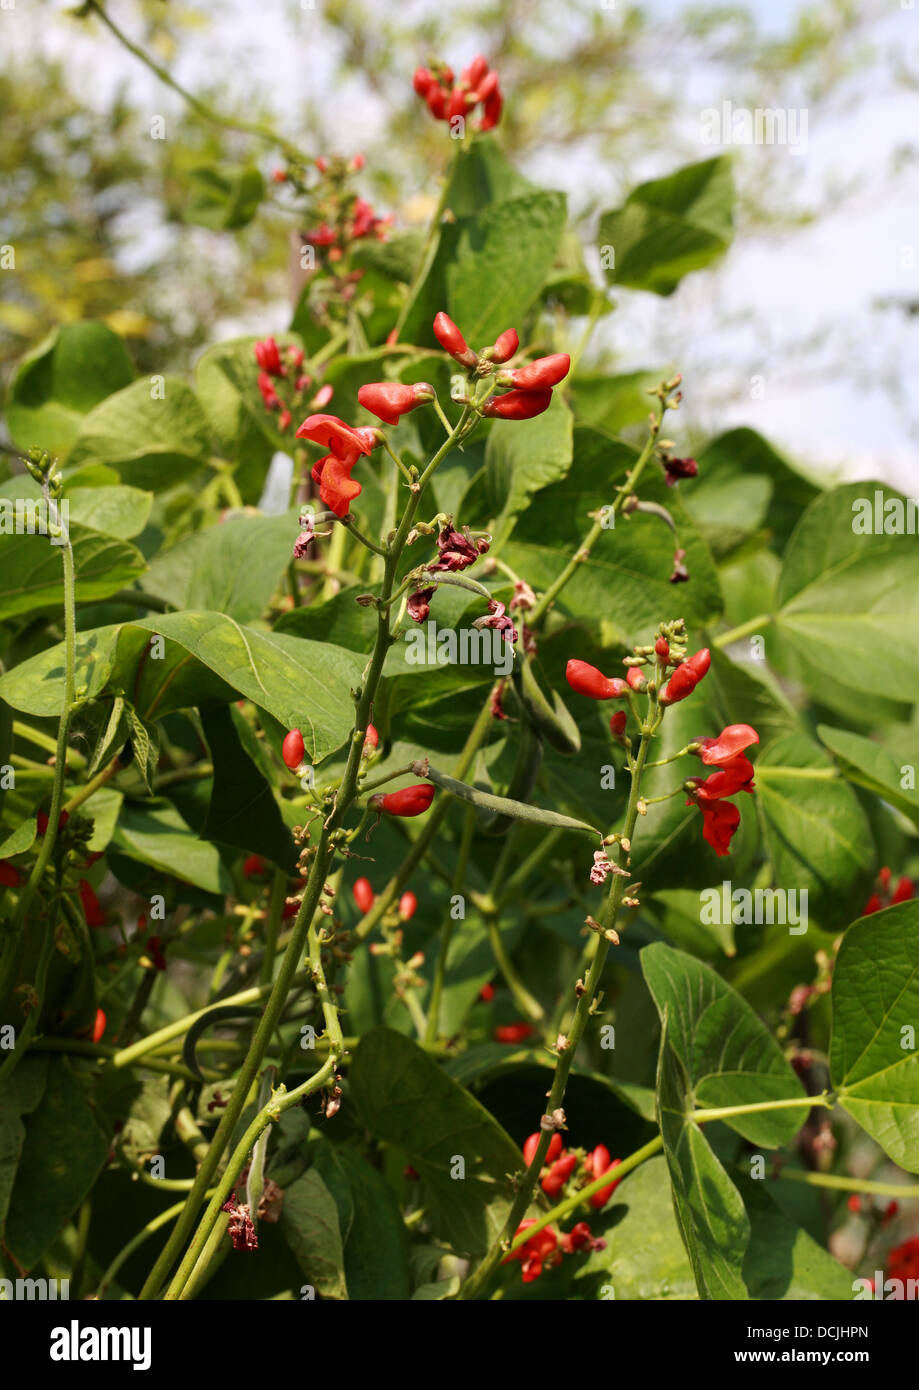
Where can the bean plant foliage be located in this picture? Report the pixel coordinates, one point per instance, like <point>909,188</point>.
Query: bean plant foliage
<point>484,869</point>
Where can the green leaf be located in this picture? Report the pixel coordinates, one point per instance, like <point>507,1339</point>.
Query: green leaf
<point>243,811</point>
<point>224,196</point>
<point>154,833</point>
<point>709,1209</point>
<point>60,381</point>
<point>817,834</point>
<point>309,1222</point>
<point>612,403</point>
<point>153,432</point>
<point>32,573</point>
<point>745,484</point>
<point>864,762</point>
<point>404,1098</point>
<point>873,1063</point>
<point>521,457</point>
<point>233,567</point>
<point>846,601</point>
<point>671,226</point>
<point>625,585</point>
<point>728,1057</point>
<point>645,1258</point>
<point>204,657</point>
<point>490,1060</point>
<point>503,806</point>
<point>782,1260</point>
<point>118,511</point>
<point>20,1096</point>
<point>62,1155</point>
<point>376,1246</point>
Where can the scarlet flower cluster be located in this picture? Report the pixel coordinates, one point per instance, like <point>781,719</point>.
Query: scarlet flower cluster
<point>478,86</point>
<point>883,897</point>
<point>531,386</point>
<point>544,1248</point>
<point>720,818</point>
<point>365,898</point>
<point>346,444</point>
<point>345,217</point>
<point>284,373</point>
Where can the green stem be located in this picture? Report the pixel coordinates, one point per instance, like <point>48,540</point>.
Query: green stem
<point>273,925</point>
<point>586,1003</point>
<point>724,639</point>
<point>92,786</point>
<point>446,931</point>
<point>727,1112</point>
<point>126,1251</point>
<point>522,997</point>
<point>905,1191</point>
<point>261,132</point>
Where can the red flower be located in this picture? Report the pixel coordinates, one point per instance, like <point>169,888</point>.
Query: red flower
<point>635,679</point>
<point>408,801</point>
<point>292,749</point>
<point>531,1144</point>
<point>42,821</point>
<point>518,405</point>
<point>408,905</point>
<point>731,741</point>
<point>487,993</point>
<point>535,1252</point>
<point>345,442</point>
<point>371,737</point>
<point>337,489</point>
<point>903,1260</point>
<point>98,1025</point>
<point>363,894</point>
<point>686,677</point>
<point>514,1032</point>
<point>268,357</point>
<point>585,679</point>
<point>392,399</point>
<point>598,1165</point>
<point>505,345</point>
<point>617,724</point>
<point>9,874</point>
<point>735,776</point>
<point>452,340</point>
<point>903,891</point>
<point>478,86</point>
<point>254,866</point>
<point>578,1238</point>
<point>719,821</point>
<point>269,395</point>
<point>559,1173</point>
<point>93,913</point>
<point>675,469</point>
<point>545,371</point>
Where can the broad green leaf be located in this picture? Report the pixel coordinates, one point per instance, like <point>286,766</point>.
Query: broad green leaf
<point>782,1260</point>
<point>613,403</point>
<point>873,1063</point>
<point>154,833</point>
<point>848,602</point>
<point>521,457</point>
<point>60,381</point>
<point>62,1155</point>
<point>233,568</point>
<point>224,196</point>
<point>403,1097</point>
<point>816,833</point>
<point>866,763</point>
<point>744,484</point>
<point>153,432</point>
<point>118,511</point>
<point>670,226</point>
<point>624,588</point>
<point>226,379</point>
<point>20,1096</point>
<point>709,1209</point>
<point>376,1245</point>
<point>204,657</point>
<point>727,1055</point>
<point>645,1258</point>
<point>243,811</point>
<point>31,569</point>
<point>309,1222</point>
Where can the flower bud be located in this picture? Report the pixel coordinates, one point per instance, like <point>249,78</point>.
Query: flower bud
<point>408,904</point>
<point>585,679</point>
<point>662,648</point>
<point>545,371</point>
<point>452,340</point>
<point>292,749</point>
<point>408,801</point>
<point>518,405</point>
<point>617,725</point>
<point>532,1144</point>
<point>363,895</point>
<point>635,679</point>
<point>371,738</point>
<point>686,677</point>
<point>99,1025</point>
<point>391,399</point>
<point>505,345</point>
